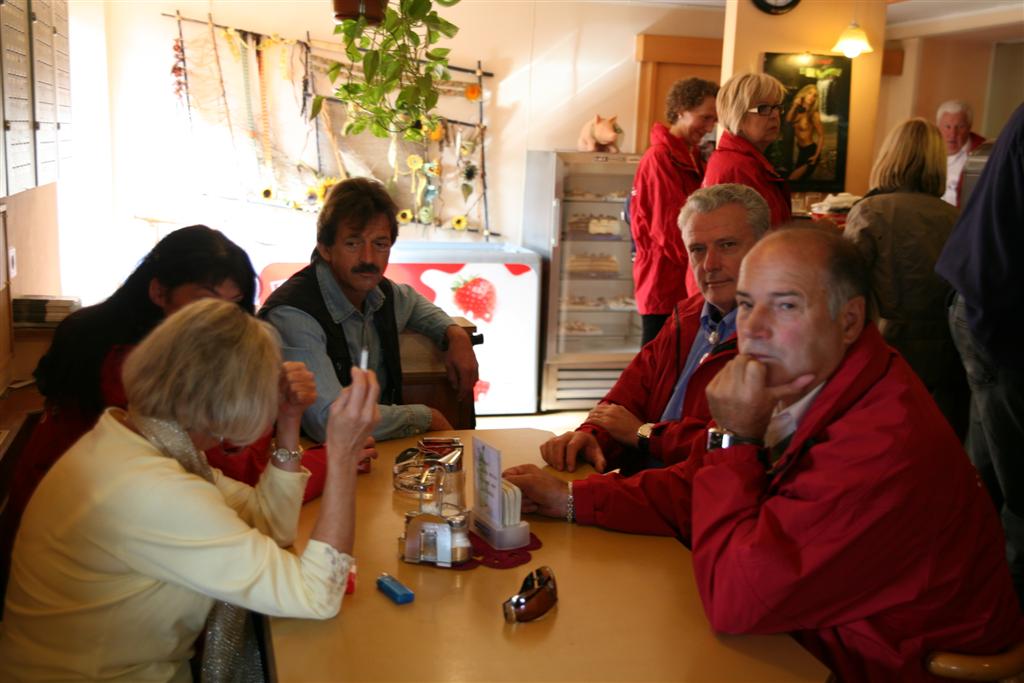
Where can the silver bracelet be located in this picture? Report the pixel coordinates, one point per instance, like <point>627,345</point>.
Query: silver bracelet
<point>570,507</point>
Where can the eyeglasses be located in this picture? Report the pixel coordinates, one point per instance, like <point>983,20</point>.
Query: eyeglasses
<point>355,245</point>
<point>765,109</point>
<point>538,594</point>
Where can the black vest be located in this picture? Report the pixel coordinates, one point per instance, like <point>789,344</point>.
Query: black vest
<point>302,291</point>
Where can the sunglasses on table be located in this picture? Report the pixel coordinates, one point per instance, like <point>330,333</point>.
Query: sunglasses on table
<point>538,594</point>
<point>765,109</point>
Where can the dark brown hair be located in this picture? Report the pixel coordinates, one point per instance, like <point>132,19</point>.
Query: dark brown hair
<point>354,203</point>
<point>687,94</point>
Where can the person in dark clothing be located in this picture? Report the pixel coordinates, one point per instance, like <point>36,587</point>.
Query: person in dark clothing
<point>982,260</point>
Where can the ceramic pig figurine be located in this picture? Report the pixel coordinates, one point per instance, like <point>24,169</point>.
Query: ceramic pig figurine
<point>599,135</point>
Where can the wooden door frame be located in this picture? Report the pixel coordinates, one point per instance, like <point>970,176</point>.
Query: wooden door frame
<point>652,50</point>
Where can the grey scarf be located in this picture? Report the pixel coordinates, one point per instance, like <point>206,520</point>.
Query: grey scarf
<point>230,652</point>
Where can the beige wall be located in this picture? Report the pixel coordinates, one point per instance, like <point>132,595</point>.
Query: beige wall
<point>814,27</point>
<point>1007,89</point>
<point>897,97</point>
<point>556,64</point>
<point>953,69</point>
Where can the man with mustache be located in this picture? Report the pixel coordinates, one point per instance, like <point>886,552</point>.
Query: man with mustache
<point>340,306</point>
<point>657,406</point>
<point>830,499</point>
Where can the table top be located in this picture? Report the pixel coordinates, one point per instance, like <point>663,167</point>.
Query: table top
<point>628,608</point>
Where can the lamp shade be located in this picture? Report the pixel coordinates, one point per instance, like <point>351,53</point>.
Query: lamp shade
<point>852,41</point>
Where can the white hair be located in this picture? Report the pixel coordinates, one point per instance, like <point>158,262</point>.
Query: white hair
<point>955,107</point>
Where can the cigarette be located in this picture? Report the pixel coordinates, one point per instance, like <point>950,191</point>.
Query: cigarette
<point>364,358</point>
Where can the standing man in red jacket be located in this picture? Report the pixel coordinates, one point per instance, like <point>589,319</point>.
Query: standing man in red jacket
<point>831,500</point>
<point>657,406</point>
<point>670,170</point>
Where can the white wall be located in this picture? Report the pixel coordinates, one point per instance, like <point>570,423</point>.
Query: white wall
<point>556,64</point>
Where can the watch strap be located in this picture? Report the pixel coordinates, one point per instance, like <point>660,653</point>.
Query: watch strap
<point>723,438</point>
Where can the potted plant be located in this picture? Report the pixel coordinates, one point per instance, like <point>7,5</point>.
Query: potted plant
<point>389,81</point>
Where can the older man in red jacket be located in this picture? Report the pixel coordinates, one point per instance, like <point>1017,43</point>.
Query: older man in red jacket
<point>657,405</point>
<point>831,499</point>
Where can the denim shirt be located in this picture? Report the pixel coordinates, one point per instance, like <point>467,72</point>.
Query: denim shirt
<point>303,339</point>
<point>701,346</point>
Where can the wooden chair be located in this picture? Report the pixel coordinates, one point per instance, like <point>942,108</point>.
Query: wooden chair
<point>1007,667</point>
<point>11,449</point>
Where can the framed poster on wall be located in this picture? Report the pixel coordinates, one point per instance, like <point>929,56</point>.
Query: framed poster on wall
<point>811,150</point>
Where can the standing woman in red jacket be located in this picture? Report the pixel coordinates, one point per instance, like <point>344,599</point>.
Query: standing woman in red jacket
<point>669,171</point>
<point>750,108</point>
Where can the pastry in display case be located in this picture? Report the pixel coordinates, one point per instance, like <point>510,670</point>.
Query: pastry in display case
<point>574,216</point>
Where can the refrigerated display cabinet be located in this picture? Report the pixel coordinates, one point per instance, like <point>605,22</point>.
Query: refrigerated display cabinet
<point>574,217</point>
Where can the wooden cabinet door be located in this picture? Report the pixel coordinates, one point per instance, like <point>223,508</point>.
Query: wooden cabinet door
<point>663,61</point>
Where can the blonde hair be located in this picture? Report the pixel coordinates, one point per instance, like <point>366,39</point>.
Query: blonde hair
<point>210,367</point>
<point>740,92</point>
<point>912,158</point>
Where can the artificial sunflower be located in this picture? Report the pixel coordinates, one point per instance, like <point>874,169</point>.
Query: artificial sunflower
<point>437,132</point>
<point>405,216</point>
<point>414,162</point>
<point>460,222</point>
<point>267,193</point>
<point>473,92</point>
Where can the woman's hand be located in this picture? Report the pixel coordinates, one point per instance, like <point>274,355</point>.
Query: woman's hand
<point>297,389</point>
<point>352,418</point>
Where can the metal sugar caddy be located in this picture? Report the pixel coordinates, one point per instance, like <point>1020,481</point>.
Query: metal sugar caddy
<point>438,532</point>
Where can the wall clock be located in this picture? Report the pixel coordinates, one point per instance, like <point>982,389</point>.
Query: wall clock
<point>775,6</point>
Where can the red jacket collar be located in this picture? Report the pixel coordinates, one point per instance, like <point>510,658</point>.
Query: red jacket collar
<point>680,150</point>
<point>739,145</point>
<point>974,142</point>
<point>864,364</point>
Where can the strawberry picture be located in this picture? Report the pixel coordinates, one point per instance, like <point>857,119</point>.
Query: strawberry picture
<point>476,297</point>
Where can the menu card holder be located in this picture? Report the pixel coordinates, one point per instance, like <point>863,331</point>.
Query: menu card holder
<point>496,506</point>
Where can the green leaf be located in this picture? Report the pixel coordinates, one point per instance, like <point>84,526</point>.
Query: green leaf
<point>447,28</point>
<point>379,130</point>
<point>432,36</point>
<point>412,37</point>
<point>446,3</point>
<point>390,20</point>
<point>440,72</point>
<point>392,70</point>
<point>318,103</point>
<point>430,100</point>
<point>350,28</point>
<point>356,127</point>
<point>413,134</point>
<point>353,53</point>
<point>438,53</point>
<point>425,84</point>
<point>418,9</point>
<point>371,60</point>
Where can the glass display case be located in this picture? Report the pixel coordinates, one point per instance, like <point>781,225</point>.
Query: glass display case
<point>574,217</point>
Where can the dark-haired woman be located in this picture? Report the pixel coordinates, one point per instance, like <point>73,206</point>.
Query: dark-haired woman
<point>669,171</point>
<point>80,375</point>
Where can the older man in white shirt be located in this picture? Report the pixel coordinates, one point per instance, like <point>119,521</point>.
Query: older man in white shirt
<point>954,119</point>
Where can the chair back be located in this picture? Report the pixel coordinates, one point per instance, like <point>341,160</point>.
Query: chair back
<point>1006,667</point>
<point>12,446</point>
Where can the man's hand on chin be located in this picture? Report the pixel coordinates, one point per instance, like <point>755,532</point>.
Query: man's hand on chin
<point>740,399</point>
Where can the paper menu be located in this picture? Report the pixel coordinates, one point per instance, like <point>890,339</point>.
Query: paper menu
<point>487,482</point>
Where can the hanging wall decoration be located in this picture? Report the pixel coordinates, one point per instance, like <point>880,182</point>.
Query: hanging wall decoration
<point>256,107</point>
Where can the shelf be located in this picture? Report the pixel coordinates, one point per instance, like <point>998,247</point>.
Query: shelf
<point>586,237</point>
<point>597,310</point>
<point>609,277</point>
<point>595,200</point>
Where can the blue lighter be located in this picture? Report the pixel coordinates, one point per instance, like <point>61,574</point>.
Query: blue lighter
<point>394,589</point>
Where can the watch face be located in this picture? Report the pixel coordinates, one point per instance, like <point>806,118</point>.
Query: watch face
<point>775,6</point>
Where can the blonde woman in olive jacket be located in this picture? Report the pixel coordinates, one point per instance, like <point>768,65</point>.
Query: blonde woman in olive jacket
<point>900,227</point>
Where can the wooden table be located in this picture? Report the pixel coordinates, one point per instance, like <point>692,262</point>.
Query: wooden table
<point>628,608</point>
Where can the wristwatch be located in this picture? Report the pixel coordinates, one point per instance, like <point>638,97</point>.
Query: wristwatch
<point>643,436</point>
<point>283,456</point>
<point>723,438</point>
